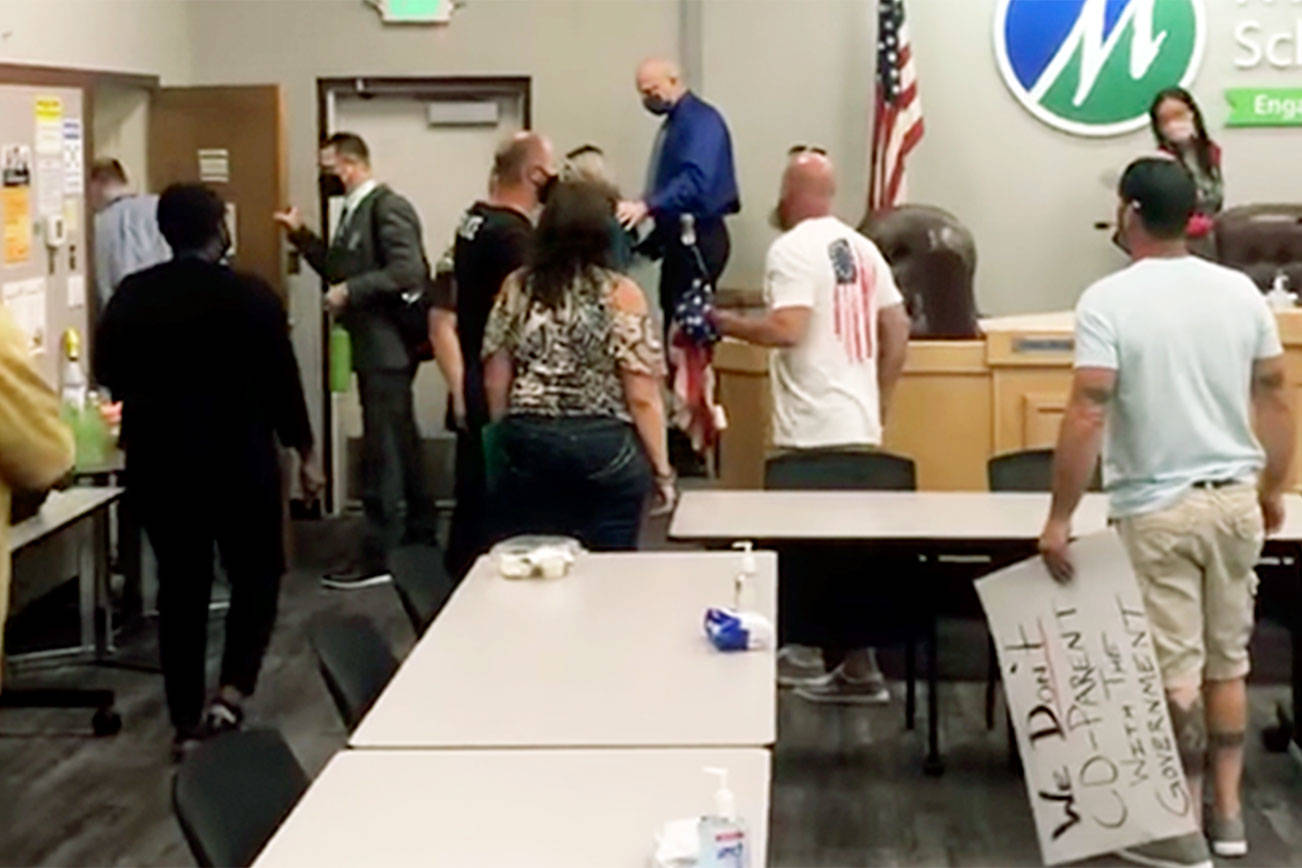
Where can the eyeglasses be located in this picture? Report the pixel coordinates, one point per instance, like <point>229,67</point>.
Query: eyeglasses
<point>806,149</point>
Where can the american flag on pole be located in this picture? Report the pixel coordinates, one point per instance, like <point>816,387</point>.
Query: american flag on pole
<point>897,125</point>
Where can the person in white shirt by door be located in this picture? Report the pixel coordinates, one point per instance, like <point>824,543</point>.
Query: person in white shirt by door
<point>840,332</point>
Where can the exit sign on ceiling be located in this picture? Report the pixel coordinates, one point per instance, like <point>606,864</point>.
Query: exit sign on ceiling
<point>414,11</point>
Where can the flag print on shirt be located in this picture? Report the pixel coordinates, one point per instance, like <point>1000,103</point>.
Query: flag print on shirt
<point>853,302</point>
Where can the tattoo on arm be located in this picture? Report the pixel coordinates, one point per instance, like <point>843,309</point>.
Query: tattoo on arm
<point>1226,740</point>
<point>1096,394</point>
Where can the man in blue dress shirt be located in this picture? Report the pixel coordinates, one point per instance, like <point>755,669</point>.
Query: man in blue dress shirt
<point>691,172</point>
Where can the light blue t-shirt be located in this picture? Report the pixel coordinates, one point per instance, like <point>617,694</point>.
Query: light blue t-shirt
<point>1182,335</point>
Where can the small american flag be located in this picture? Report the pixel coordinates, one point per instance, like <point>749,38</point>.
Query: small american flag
<point>897,125</point>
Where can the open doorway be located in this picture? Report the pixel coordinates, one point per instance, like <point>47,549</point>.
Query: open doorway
<point>432,140</point>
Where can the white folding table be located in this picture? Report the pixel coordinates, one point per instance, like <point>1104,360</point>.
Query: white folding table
<point>612,655</point>
<point>988,527</point>
<point>511,808</point>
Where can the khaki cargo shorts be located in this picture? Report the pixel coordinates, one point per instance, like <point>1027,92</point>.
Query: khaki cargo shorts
<point>1194,561</point>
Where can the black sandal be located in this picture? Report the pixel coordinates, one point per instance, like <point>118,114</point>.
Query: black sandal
<point>222,716</point>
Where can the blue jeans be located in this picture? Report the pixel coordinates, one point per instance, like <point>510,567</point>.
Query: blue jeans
<point>584,476</point>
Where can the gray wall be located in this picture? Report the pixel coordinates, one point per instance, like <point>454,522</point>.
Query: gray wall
<point>801,72</point>
<point>144,36</point>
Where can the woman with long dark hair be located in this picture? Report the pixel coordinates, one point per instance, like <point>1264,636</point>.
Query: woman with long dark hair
<point>1178,126</point>
<point>573,365</point>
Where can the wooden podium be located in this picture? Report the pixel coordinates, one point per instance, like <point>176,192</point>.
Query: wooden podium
<point>957,404</point>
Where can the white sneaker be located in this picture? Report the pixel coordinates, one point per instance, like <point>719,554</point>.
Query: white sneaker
<point>836,688</point>
<point>799,665</point>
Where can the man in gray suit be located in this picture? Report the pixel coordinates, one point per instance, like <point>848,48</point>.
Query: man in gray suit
<point>373,259</point>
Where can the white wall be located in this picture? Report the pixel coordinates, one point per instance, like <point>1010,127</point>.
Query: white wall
<point>801,72</point>
<point>581,55</point>
<point>143,36</point>
<point>121,126</point>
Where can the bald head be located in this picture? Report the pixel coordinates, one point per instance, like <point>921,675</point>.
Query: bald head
<point>808,188</point>
<point>522,166</point>
<point>660,84</point>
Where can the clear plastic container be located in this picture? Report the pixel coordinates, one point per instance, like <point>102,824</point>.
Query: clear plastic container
<point>534,557</point>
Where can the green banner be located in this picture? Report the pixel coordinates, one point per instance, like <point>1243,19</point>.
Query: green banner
<point>1264,107</point>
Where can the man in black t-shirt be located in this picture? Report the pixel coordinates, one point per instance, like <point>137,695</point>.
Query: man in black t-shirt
<point>492,241</point>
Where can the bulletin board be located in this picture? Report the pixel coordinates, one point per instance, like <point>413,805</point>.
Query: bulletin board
<point>43,217</point>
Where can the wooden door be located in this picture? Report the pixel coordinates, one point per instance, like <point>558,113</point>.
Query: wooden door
<point>231,138</point>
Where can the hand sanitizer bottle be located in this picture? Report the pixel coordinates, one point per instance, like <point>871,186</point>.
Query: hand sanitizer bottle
<point>747,572</point>
<point>723,836</point>
<point>1279,298</point>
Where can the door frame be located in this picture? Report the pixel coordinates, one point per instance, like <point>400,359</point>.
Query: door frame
<point>411,87</point>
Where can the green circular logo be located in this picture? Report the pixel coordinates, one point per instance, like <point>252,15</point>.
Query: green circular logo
<point>1091,67</point>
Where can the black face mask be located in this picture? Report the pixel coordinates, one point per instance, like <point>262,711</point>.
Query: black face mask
<point>546,187</point>
<point>656,105</point>
<point>330,184</point>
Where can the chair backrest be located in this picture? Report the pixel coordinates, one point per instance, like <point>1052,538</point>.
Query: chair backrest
<point>1262,241</point>
<point>831,471</point>
<point>232,793</point>
<point>1028,470</point>
<point>933,259</point>
<point>422,582</point>
<point>355,661</point>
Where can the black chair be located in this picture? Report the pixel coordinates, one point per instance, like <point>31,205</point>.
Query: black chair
<point>232,793</point>
<point>355,662</point>
<point>851,471</point>
<point>847,471</point>
<point>422,582</point>
<point>1028,470</point>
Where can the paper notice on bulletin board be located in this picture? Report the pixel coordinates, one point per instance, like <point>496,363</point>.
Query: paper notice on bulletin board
<point>17,207</point>
<point>17,167</point>
<point>49,125</point>
<point>25,300</point>
<point>74,156</point>
<point>49,184</point>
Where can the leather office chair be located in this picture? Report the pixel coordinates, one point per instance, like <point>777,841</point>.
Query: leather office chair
<point>1261,241</point>
<point>232,793</point>
<point>933,258</point>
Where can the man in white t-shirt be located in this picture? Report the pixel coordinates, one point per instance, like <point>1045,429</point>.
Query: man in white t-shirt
<point>1176,358</point>
<point>839,330</point>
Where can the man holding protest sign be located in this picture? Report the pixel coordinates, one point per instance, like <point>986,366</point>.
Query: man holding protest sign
<point>1176,358</point>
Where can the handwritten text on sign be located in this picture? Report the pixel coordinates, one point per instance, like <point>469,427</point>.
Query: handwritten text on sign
<point>1087,702</point>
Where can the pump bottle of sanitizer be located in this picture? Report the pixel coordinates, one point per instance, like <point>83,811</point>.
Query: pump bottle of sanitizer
<point>723,835</point>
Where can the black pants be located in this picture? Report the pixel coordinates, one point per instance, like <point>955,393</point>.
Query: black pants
<point>468,536</point>
<point>184,527</point>
<point>395,490</point>
<point>679,267</point>
<point>585,477</point>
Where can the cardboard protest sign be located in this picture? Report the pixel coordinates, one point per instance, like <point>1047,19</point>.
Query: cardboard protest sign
<point>1086,698</point>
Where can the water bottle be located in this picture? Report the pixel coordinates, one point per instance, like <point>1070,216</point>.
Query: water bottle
<point>341,360</point>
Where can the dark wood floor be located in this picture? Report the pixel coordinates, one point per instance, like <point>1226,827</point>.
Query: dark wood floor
<point>848,788</point>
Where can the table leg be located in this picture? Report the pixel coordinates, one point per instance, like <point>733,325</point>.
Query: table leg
<point>934,765</point>
<point>911,682</point>
<point>83,536</point>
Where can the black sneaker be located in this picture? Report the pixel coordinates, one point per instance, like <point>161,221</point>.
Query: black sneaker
<point>351,578</point>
